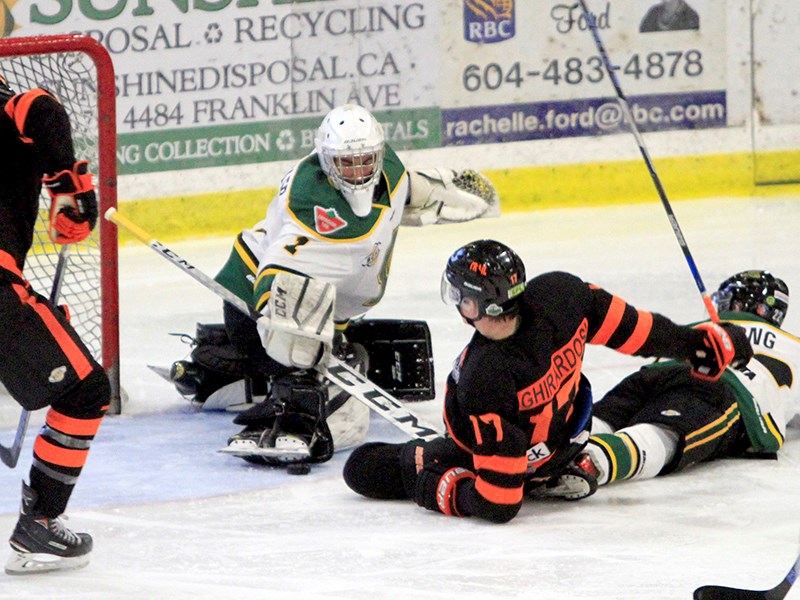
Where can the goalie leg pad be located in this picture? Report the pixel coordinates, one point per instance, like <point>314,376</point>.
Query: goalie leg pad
<point>348,417</point>
<point>216,362</point>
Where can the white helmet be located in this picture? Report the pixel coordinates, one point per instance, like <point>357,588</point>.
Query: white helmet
<point>350,143</point>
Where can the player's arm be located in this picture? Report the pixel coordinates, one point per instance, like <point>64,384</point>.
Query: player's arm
<point>41,120</point>
<point>709,347</point>
<point>493,488</point>
<point>448,196</point>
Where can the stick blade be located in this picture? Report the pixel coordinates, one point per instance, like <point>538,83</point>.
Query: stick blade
<point>9,457</point>
<point>719,592</point>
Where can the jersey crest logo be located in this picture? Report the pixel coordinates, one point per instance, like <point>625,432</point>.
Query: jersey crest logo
<point>671,413</point>
<point>57,374</point>
<point>372,257</point>
<point>327,220</point>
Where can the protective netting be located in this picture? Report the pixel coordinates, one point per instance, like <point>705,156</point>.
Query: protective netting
<point>72,78</point>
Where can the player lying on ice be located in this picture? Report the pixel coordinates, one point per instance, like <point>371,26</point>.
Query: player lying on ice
<point>661,419</point>
<point>517,407</point>
<point>323,253</point>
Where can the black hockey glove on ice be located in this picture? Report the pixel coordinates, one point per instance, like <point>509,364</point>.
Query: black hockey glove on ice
<point>437,487</point>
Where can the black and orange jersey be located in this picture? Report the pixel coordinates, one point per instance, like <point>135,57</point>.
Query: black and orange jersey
<point>35,139</point>
<point>509,402</point>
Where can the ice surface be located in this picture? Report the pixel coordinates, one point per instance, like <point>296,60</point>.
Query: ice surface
<point>172,518</point>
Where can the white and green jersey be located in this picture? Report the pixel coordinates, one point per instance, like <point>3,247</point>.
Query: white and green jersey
<point>767,390</point>
<point>311,230</point>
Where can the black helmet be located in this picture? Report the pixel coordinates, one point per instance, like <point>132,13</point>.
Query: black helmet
<point>756,292</point>
<point>487,271</point>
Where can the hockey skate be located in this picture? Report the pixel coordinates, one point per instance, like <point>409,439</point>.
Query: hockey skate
<point>576,482</point>
<point>288,428</point>
<point>262,446</point>
<point>40,544</point>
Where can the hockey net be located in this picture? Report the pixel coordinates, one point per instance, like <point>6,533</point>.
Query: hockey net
<point>78,71</point>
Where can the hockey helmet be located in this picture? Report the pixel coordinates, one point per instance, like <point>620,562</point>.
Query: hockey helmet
<point>488,273</point>
<point>756,292</point>
<point>350,146</point>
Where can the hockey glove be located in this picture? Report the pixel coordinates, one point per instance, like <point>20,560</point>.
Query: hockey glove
<point>437,487</point>
<point>73,206</point>
<point>722,344</point>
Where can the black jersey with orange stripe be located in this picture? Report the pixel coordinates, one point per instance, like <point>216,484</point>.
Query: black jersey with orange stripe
<point>35,139</point>
<point>509,402</point>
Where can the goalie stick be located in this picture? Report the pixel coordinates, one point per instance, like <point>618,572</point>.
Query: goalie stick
<point>626,111</point>
<point>10,455</point>
<point>336,371</point>
<point>719,592</point>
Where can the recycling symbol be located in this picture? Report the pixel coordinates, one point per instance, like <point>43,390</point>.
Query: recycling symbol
<point>285,141</point>
<point>213,33</point>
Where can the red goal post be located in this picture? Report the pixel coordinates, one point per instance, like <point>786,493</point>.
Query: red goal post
<point>79,72</point>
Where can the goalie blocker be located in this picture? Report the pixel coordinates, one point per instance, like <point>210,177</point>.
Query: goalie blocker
<point>400,356</point>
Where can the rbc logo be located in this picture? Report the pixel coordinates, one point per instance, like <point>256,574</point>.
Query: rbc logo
<point>488,21</point>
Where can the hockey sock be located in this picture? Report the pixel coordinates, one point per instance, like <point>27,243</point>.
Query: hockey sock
<point>637,452</point>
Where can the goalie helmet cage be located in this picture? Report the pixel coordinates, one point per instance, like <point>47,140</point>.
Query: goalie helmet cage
<point>79,72</point>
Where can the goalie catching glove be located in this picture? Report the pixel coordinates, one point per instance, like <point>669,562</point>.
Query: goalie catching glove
<point>73,204</point>
<point>722,344</point>
<point>297,327</point>
<point>448,196</point>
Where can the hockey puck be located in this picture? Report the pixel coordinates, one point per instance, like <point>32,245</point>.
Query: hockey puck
<point>299,469</point>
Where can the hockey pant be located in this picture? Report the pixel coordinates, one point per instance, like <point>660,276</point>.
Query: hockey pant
<point>44,363</point>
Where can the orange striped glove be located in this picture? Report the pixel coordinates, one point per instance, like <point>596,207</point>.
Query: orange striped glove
<point>73,206</point>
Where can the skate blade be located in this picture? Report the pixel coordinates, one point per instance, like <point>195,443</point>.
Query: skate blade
<point>29,563</point>
<point>289,454</point>
<point>286,453</point>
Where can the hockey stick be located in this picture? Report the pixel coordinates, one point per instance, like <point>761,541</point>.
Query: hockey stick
<point>10,455</point>
<point>719,592</point>
<point>626,111</point>
<point>337,371</point>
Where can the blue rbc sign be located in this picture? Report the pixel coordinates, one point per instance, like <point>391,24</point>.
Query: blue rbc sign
<point>488,21</point>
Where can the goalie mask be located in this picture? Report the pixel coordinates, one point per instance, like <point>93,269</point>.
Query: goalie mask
<point>756,292</point>
<point>485,274</point>
<point>350,146</point>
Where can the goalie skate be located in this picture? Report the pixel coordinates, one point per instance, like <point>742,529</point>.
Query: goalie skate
<point>286,449</point>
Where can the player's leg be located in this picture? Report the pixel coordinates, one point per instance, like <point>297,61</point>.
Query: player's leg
<point>681,421</point>
<point>224,354</point>
<point>385,471</point>
<point>44,363</point>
